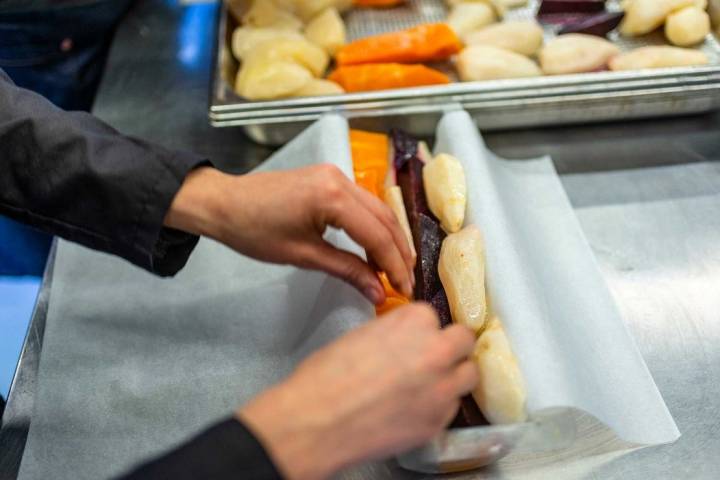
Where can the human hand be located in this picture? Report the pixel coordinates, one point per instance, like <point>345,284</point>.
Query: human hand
<point>280,217</point>
<point>382,389</point>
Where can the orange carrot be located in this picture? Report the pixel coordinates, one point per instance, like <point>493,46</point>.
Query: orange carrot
<point>377,3</point>
<point>370,164</point>
<point>383,76</point>
<point>424,43</point>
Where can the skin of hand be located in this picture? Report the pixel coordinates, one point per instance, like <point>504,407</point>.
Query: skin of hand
<point>280,217</point>
<point>384,388</point>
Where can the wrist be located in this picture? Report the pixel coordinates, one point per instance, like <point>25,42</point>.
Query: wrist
<point>197,206</point>
<point>301,444</point>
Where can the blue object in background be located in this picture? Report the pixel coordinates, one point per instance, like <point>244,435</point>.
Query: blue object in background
<point>17,298</point>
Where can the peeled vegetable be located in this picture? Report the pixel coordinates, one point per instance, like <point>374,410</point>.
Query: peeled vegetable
<point>480,62</point>
<point>644,16</point>
<point>468,16</point>
<point>327,30</point>
<point>394,199</point>
<point>308,9</point>
<point>551,7</point>
<point>523,37</point>
<point>446,191</point>
<point>266,80</point>
<point>318,87</point>
<point>500,393</point>
<point>386,76</point>
<point>576,53</point>
<point>246,39</point>
<point>267,14</point>
<point>429,238</point>
<point>424,43</point>
<point>658,57</point>
<point>688,26</point>
<point>462,273</point>
<point>301,51</point>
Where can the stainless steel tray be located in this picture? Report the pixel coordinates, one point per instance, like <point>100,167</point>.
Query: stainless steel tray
<point>553,100</point>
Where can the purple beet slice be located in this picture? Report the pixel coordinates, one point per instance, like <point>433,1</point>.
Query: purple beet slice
<point>563,18</point>
<point>469,415</point>
<point>410,181</point>
<point>403,147</point>
<point>570,6</point>
<point>440,303</point>
<point>429,240</point>
<point>599,25</point>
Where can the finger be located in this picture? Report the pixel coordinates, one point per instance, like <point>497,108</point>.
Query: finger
<point>370,233</point>
<point>345,266</point>
<point>388,218</point>
<point>465,378</point>
<point>460,341</point>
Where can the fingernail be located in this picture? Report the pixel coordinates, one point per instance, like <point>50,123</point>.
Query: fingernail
<point>373,294</point>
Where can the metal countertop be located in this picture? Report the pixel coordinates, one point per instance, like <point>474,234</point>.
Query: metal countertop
<point>647,194</point>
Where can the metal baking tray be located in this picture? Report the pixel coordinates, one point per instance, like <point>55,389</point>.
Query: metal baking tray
<point>494,105</point>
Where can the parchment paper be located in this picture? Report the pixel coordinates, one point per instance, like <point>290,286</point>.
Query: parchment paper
<point>133,364</point>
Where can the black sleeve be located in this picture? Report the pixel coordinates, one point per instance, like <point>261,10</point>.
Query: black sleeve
<point>225,451</point>
<point>71,175</point>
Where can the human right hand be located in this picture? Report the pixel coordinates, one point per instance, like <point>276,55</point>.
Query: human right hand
<point>382,389</point>
<point>281,217</point>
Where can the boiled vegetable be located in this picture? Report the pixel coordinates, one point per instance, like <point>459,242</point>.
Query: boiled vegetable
<point>440,303</point>
<point>377,3</point>
<point>309,9</point>
<point>462,272</point>
<point>480,62</point>
<point>300,51</point>
<point>466,17</point>
<point>658,57</point>
<point>246,39</point>
<point>687,26</point>
<point>576,53</point>
<point>446,191</point>
<point>599,25</point>
<point>268,14</point>
<point>267,80</point>
<point>403,147</point>
<point>394,199</point>
<point>429,238</point>
<point>424,43</point>
<point>327,30</point>
<point>644,16</point>
<point>551,7</point>
<point>386,76</point>
<point>523,37</point>
<point>500,393</point>
<point>318,87</point>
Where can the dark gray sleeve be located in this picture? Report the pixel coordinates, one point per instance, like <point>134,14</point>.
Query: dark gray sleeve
<point>225,451</point>
<point>71,175</point>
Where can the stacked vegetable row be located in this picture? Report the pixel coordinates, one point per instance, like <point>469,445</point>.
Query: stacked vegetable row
<point>286,46</point>
<point>428,196</point>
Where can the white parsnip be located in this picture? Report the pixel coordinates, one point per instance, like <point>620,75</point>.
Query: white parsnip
<point>394,199</point>
<point>483,62</point>
<point>644,16</point>
<point>267,80</point>
<point>500,393</point>
<point>658,57</point>
<point>446,191</point>
<point>576,53</point>
<point>462,272</point>
<point>318,87</point>
<point>523,37</point>
<point>301,51</point>
<point>466,17</point>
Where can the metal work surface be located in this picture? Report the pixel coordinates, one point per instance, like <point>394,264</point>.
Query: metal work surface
<point>497,104</point>
<point>647,195</point>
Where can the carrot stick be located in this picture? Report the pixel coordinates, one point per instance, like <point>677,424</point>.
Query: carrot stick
<point>383,76</point>
<point>424,43</point>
